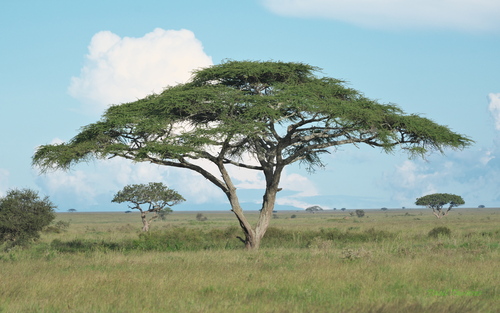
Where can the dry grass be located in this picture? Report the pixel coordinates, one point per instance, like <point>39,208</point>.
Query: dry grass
<point>409,272</point>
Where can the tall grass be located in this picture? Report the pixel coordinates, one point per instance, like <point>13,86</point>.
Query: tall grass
<point>311,263</point>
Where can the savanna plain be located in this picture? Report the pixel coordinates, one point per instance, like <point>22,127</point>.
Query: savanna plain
<point>386,261</point>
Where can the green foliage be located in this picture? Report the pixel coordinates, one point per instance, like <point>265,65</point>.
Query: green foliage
<point>23,214</point>
<point>436,202</point>
<point>242,103</point>
<point>439,231</point>
<point>360,213</point>
<point>157,195</point>
<point>439,200</point>
<point>162,214</point>
<point>314,208</point>
<point>200,217</point>
<point>277,113</point>
<point>193,239</point>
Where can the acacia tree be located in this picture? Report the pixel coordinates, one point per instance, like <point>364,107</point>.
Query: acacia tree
<point>23,214</point>
<point>436,201</point>
<point>314,209</point>
<point>158,197</point>
<point>260,116</point>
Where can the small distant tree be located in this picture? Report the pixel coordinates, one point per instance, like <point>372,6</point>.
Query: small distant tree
<point>157,197</point>
<point>360,213</point>
<point>314,209</point>
<point>481,206</point>
<point>384,209</point>
<point>23,214</point>
<point>343,209</point>
<point>72,210</point>
<point>200,217</point>
<point>436,202</point>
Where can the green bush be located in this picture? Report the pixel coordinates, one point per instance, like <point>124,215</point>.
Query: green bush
<point>439,231</point>
<point>360,213</point>
<point>23,214</point>
<point>193,239</point>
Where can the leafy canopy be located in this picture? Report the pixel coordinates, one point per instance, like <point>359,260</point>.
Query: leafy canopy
<point>156,195</point>
<point>23,214</point>
<point>438,200</point>
<point>278,112</point>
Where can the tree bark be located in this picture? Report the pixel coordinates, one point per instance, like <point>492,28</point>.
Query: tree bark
<point>145,222</point>
<point>253,236</point>
<point>435,213</point>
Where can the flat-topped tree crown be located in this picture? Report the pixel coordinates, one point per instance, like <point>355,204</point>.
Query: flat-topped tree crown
<point>256,115</point>
<point>436,201</point>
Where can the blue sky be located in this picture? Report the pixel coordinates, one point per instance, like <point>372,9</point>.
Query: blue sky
<point>63,62</point>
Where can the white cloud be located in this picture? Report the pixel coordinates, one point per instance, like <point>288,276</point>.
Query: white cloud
<point>87,183</point>
<point>96,183</point>
<point>291,201</point>
<point>124,69</point>
<point>464,15</point>
<point>494,108</point>
<point>413,179</point>
<point>299,183</point>
<point>473,174</point>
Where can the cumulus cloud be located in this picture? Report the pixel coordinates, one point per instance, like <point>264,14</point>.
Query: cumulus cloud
<point>124,69</point>
<point>94,184</point>
<point>463,15</point>
<point>474,174</point>
<point>87,183</point>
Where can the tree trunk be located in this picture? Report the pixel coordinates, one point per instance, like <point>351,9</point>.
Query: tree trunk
<point>253,237</point>
<point>145,222</point>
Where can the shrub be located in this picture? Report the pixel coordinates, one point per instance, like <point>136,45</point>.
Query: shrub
<point>23,215</point>
<point>200,217</point>
<point>360,213</point>
<point>439,231</point>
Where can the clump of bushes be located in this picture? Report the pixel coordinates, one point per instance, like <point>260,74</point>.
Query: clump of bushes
<point>200,217</point>
<point>439,231</point>
<point>360,213</point>
<point>193,239</point>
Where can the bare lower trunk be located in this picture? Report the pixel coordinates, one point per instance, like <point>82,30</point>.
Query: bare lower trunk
<point>436,213</point>
<point>253,237</point>
<point>145,223</point>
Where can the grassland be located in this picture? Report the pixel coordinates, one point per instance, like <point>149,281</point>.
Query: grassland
<point>383,262</point>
